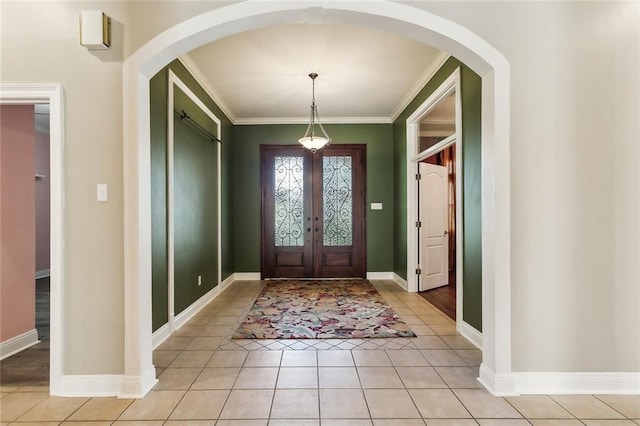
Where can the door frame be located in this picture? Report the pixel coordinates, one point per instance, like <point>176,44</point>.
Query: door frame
<point>52,94</point>
<point>423,26</point>
<point>413,142</point>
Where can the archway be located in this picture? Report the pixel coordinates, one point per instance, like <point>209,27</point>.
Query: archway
<point>495,371</point>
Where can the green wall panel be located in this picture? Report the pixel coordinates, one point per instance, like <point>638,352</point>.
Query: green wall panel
<point>195,213</point>
<point>246,187</point>
<point>471,85</point>
<point>472,196</point>
<point>159,275</point>
<point>158,126</point>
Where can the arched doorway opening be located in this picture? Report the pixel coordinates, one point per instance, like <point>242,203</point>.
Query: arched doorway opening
<point>495,371</point>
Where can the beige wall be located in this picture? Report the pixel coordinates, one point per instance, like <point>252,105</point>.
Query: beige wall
<point>574,181</point>
<point>17,221</point>
<point>574,178</point>
<point>40,44</point>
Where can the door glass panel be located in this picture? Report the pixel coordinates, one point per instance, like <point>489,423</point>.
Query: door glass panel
<point>289,201</point>
<point>337,197</point>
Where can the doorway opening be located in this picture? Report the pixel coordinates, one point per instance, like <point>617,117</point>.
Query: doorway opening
<point>39,96</point>
<point>434,137</point>
<point>313,215</point>
<point>438,230</point>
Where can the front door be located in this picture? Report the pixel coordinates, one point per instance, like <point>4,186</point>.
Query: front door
<point>313,212</point>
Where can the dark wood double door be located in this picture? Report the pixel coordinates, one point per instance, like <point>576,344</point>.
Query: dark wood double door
<point>313,212</point>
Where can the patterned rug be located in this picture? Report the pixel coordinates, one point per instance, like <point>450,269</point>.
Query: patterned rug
<point>323,309</point>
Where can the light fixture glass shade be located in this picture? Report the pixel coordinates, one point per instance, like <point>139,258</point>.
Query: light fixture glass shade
<point>309,140</point>
<point>313,143</point>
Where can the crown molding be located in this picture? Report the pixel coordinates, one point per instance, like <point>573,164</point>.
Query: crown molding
<point>305,120</point>
<point>434,67</point>
<point>203,81</point>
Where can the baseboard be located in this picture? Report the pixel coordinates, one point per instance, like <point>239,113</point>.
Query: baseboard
<point>380,275</point>
<point>183,317</point>
<point>400,281</point>
<point>18,343</point>
<point>473,335</point>
<point>497,384</point>
<point>91,385</point>
<point>246,276</point>
<point>577,383</point>
<point>160,335</point>
<point>163,333</point>
<point>104,385</point>
<point>227,282</point>
<point>43,274</point>
<point>138,386</point>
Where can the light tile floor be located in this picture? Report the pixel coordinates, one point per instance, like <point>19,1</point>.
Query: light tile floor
<point>207,378</point>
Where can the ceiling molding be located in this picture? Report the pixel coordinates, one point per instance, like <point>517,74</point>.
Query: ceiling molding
<point>437,63</point>
<point>305,120</point>
<point>199,76</point>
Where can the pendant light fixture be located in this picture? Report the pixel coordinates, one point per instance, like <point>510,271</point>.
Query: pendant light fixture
<point>310,140</point>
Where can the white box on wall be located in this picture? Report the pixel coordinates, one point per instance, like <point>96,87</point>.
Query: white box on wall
<point>95,30</point>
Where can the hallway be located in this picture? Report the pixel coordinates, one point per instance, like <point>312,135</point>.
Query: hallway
<point>207,379</point>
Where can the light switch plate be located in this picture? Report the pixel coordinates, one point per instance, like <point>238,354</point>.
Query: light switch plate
<point>102,192</point>
<point>376,206</point>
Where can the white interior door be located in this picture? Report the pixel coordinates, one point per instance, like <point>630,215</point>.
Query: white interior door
<point>434,241</point>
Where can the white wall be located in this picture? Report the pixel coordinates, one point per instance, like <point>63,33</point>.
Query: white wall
<point>575,184</point>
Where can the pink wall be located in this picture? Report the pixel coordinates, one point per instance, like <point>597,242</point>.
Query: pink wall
<point>42,202</point>
<point>17,219</point>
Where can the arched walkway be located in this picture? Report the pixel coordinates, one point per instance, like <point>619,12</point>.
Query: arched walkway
<point>495,372</point>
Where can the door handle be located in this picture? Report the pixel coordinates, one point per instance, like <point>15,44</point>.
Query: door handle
<point>446,232</point>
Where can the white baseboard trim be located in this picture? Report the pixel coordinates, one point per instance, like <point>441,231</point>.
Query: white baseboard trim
<point>91,385</point>
<point>183,317</point>
<point>18,343</point>
<point>138,386</point>
<point>577,383</point>
<point>246,276</point>
<point>497,384</point>
<point>163,333</point>
<point>42,274</point>
<point>104,385</point>
<point>400,281</point>
<point>380,275</point>
<point>473,335</point>
<point>227,282</point>
<point>160,335</point>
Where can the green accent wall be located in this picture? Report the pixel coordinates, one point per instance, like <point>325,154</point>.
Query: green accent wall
<point>194,153</point>
<point>195,179</point>
<point>246,187</point>
<point>471,85</point>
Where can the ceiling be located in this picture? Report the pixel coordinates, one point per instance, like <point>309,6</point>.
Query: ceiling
<point>365,75</point>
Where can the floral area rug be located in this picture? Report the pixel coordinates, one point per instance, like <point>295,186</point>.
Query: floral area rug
<point>322,309</point>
